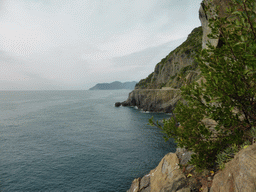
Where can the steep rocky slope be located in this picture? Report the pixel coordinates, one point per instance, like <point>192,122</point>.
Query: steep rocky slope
<point>160,92</point>
<point>179,62</point>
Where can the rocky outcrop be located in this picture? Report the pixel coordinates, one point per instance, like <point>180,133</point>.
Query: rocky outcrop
<point>239,174</point>
<point>159,92</point>
<point>157,100</point>
<point>167,176</point>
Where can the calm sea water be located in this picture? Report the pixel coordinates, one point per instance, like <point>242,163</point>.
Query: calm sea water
<point>75,141</point>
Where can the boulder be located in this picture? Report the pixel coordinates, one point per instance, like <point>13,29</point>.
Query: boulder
<point>167,176</point>
<point>183,155</point>
<point>239,174</point>
<point>117,104</point>
<point>124,103</point>
<point>135,187</point>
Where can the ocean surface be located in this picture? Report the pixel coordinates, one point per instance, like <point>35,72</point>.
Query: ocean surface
<point>75,141</point>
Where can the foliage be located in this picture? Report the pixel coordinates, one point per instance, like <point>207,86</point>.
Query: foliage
<point>226,94</point>
<point>229,153</point>
<point>226,155</point>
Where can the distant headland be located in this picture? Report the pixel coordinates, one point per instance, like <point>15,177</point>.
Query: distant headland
<point>114,85</point>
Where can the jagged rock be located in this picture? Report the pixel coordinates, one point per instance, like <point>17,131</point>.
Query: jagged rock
<point>135,187</point>
<point>184,190</point>
<point>239,175</point>
<point>117,104</point>
<point>124,103</point>
<point>166,177</point>
<point>145,182</point>
<point>183,155</point>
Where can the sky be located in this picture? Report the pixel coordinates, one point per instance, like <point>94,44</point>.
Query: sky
<point>75,44</point>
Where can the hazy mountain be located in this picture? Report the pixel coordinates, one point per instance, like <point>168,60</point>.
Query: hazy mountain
<point>114,85</point>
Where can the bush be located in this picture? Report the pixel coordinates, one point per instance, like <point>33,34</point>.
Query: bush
<point>226,94</point>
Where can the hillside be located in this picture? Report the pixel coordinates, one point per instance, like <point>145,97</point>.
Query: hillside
<point>179,62</point>
<point>114,85</point>
<point>159,92</point>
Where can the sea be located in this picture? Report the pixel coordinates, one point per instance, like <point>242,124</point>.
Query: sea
<point>75,141</point>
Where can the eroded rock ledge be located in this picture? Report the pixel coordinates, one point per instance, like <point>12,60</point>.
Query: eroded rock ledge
<point>157,100</point>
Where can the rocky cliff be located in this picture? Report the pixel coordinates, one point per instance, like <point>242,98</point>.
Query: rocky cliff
<point>178,65</point>
<point>157,100</point>
<point>179,62</point>
<point>239,175</point>
<point>160,92</point>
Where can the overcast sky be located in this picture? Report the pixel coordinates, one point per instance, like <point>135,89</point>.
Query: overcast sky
<point>74,44</point>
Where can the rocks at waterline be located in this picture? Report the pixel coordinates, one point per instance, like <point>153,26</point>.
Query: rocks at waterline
<point>155,100</point>
<point>118,104</point>
<point>167,176</point>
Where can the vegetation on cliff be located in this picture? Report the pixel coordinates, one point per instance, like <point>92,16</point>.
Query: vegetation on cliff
<point>167,72</point>
<point>226,93</point>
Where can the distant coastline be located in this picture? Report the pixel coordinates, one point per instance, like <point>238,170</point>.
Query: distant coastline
<point>114,85</point>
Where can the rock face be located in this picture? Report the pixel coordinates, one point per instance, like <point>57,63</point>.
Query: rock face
<point>154,99</point>
<point>178,62</point>
<point>239,174</point>
<point>159,92</point>
<point>167,176</point>
<point>204,17</point>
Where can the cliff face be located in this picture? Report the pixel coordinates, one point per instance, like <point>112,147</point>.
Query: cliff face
<point>157,100</point>
<point>204,17</point>
<point>176,63</point>
<point>160,92</point>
